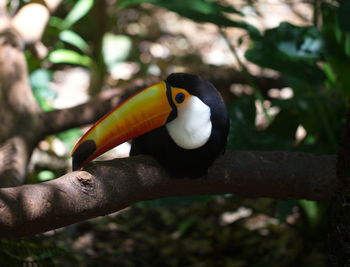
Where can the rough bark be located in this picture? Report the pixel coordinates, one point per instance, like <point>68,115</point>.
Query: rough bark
<point>14,158</point>
<point>105,187</point>
<point>18,108</point>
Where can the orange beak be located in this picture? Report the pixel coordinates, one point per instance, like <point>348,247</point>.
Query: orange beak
<point>141,113</point>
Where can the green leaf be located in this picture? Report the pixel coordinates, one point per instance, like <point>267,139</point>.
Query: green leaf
<point>291,50</point>
<point>184,226</point>
<point>80,9</point>
<point>347,44</point>
<point>200,11</point>
<point>312,211</point>
<point>70,137</point>
<point>46,175</point>
<point>331,77</point>
<point>69,57</point>
<point>74,39</point>
<point>56,22</point>
<point>337,44</point>
<point>39,81</point>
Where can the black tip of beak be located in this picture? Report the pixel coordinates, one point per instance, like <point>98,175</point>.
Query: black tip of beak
<point>82,153</point>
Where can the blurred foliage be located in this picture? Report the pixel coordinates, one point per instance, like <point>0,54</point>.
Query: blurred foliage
<point>200,11</point>
<point>69,57</point>
<point>313,60</point>
<point>27,253</point>
<point>174,202</point>
<point>296,53</point>
<point>214,233</point>
<point>61,28</point>
<point>39,81</point>
<point>112,57</point>
<point>79,10</point>
<point>69,137</point>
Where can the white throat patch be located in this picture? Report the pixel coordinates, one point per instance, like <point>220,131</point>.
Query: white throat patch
<point>192,127</point>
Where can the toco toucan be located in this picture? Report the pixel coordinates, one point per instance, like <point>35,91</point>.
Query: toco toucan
<point>181,121</point>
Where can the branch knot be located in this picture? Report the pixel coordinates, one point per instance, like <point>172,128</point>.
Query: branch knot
<point>85,182</point>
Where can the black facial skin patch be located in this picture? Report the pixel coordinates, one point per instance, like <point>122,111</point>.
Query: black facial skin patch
<point>173,113</point>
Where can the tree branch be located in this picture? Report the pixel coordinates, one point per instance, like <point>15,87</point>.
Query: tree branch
<point>109,186</point>
<point>63,119</point>
<point>14,158</point>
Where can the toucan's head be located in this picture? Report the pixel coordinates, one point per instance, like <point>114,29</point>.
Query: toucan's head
<point>186,105</point>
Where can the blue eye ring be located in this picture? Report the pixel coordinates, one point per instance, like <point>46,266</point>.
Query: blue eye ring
<point>179,98</point>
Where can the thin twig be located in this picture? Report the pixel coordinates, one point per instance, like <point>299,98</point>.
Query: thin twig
<point>250,78</point>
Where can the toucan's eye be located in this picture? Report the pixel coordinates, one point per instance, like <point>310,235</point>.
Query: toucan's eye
<point>179,98</point>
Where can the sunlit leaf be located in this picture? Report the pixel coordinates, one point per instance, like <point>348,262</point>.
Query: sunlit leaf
<point>46,175</point>
<point>115,49</point>
<point>69,57</point>
<point>74,39</point>
<point>80,9</point>
<point>56,22</point>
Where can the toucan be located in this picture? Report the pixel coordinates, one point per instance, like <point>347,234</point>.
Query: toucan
<point>181,121</point>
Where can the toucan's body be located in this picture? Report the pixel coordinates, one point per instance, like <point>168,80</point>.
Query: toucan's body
<point>175,159</point>
<point>181,121</point>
